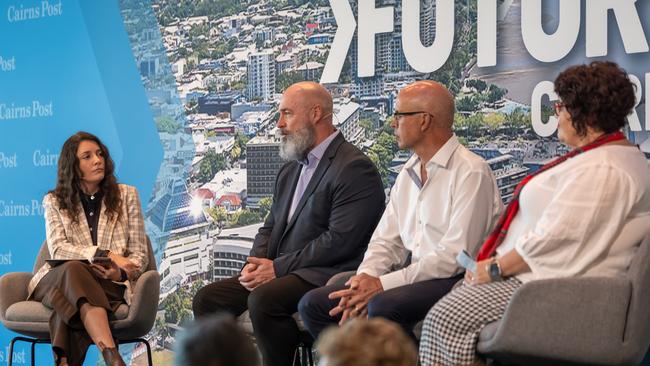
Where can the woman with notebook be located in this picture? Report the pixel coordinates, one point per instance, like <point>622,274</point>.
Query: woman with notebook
<point>96,238</point>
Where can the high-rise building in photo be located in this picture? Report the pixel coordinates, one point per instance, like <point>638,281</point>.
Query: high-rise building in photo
<point>261,75</point>
<point>262,164</point>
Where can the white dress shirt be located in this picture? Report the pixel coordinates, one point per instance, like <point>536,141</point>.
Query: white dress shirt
<point>454,210</point>
<point>584,217</point>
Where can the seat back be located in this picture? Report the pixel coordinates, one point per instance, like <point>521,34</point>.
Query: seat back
<point>44,254</point>
<point>637,330</point>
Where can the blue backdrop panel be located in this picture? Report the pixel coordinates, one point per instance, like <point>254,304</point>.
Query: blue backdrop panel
<point>66,66</point>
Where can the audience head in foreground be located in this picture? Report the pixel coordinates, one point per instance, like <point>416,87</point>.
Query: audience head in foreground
<point>215,341</point>
<point>374,342</point>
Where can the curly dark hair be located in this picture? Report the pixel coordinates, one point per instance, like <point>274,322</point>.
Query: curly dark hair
<point>599,95</point>
<point>69,178</point>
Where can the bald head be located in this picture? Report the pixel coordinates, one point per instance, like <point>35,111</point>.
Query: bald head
<point>309,94</point>
<point>429,96</point>
<point>305,118</point>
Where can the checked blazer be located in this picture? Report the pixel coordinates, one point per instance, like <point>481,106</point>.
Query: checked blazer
<point>68,240</point>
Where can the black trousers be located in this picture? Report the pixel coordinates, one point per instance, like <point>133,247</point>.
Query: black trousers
<point>271,307</point>
<point>405,305</point>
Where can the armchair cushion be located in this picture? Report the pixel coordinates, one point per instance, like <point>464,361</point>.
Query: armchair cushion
<point>35,311</point>
<point>544,316</point>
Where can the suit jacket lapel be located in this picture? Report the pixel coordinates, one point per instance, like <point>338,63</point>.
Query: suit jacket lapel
<point>322,167</point>
<point>285,193</point>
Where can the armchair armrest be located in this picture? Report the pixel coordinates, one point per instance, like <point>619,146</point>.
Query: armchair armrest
<point>340,278</point>
<point>144,303</point>
<point>13,288</point>
<point>572,319</point>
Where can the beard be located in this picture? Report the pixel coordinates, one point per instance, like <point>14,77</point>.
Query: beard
<point>296,145</point>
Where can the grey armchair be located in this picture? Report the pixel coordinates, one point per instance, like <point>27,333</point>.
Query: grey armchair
<point>588,321</point>
<point>30,318</point>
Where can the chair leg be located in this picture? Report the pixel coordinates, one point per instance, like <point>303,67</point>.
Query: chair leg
<point>11,351</point>
<point>149,357</point>
<point>303,355</point>
<point>33,353</point>
<point>146,344</point>
<point>32,341</point>
<point>310,354</point>
<point>305,359</point>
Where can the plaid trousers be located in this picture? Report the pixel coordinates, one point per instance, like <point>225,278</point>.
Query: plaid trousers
<point>451,328</point>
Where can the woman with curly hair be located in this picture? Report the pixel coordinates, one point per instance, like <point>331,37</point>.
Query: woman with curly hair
<point>583,214</point>
<point>88,215</point>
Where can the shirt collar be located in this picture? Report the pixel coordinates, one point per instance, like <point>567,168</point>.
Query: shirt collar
<point>316,154</point>
<point>441,157</point>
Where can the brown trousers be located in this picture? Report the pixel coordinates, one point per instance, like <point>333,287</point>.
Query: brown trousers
<point>64,289</point>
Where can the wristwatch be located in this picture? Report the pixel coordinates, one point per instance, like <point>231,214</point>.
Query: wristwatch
<point>494,270</point>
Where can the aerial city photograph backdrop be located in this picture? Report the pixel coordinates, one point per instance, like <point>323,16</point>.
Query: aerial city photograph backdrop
<point>185,95</point>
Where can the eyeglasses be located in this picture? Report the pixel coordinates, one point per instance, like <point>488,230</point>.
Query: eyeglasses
<point>558,107</point>
<point>398,115</point>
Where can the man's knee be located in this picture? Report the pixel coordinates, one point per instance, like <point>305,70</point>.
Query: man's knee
<point>382,306</point>
<point>214,298</point>
<point>310,302</point>
<point>260,301</point>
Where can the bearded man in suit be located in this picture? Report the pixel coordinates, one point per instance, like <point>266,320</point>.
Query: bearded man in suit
<point>328,199</point>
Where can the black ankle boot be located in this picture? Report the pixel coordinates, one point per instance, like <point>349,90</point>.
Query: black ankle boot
<point>111,356</point>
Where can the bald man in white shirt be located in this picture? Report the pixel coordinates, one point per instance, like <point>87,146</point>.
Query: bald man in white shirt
<point>444,200</point>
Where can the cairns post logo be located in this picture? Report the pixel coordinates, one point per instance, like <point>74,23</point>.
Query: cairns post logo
<point>5,258</point>
<point>8,160</point>
<point>18,357</point>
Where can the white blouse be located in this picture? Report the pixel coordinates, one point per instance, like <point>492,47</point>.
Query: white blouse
<point>584,217</point>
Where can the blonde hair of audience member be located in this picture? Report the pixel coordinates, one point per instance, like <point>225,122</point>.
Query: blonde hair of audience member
<point>360,342</point>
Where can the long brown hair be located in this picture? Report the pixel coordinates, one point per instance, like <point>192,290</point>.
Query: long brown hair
<point>69,178</point>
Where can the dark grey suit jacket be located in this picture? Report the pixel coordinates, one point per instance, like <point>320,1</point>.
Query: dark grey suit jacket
<point>330,229</point>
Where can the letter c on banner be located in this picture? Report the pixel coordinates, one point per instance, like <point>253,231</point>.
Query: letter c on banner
<point>541,128</point>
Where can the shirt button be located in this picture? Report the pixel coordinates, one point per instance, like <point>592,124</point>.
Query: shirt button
<point>91,213</point>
